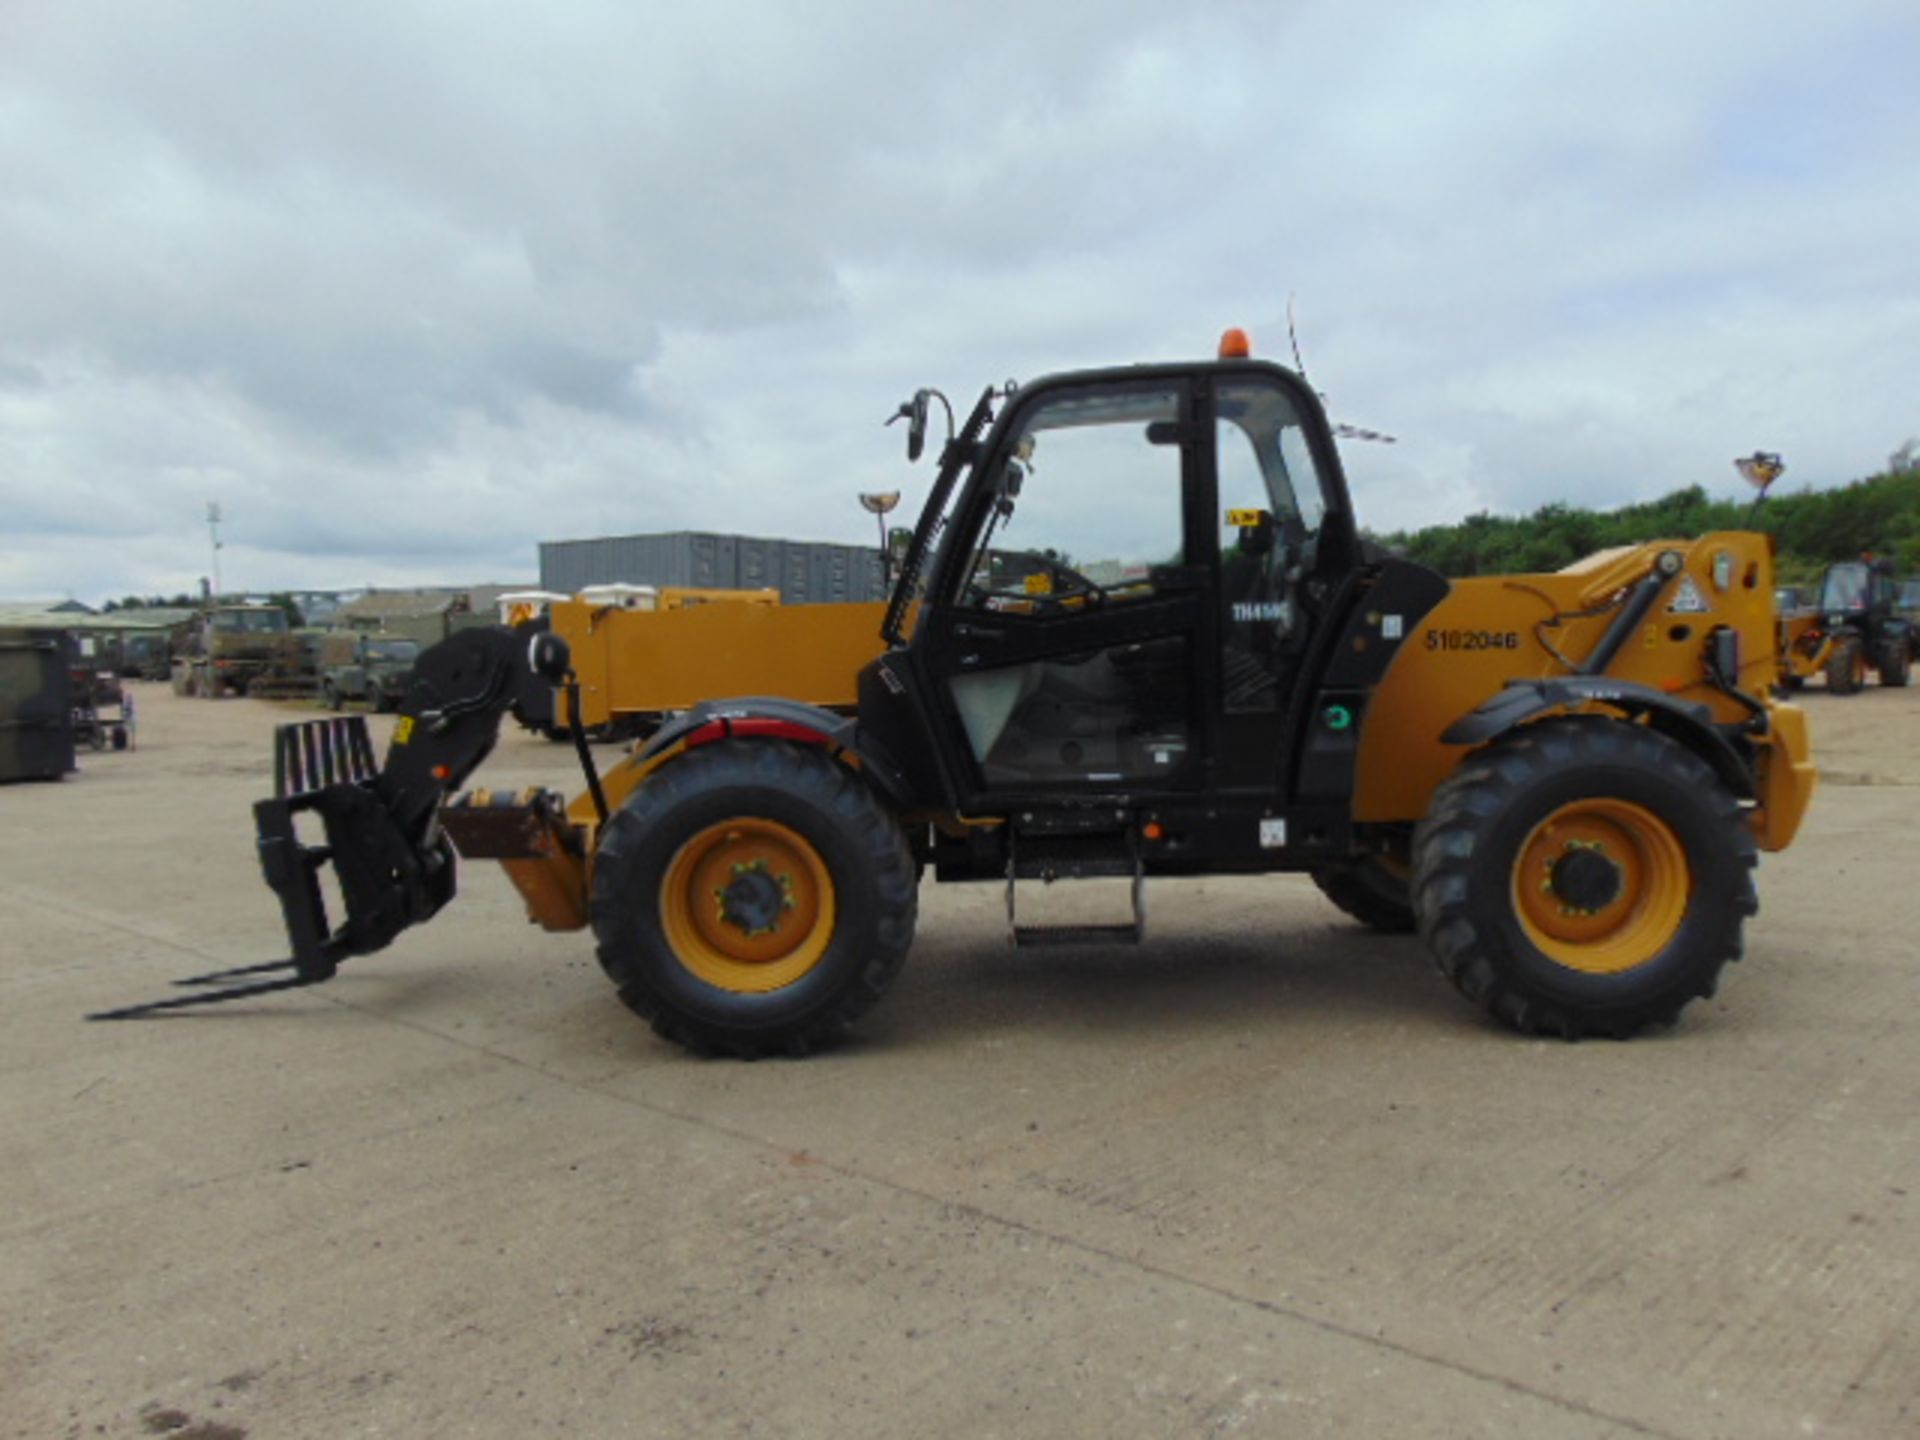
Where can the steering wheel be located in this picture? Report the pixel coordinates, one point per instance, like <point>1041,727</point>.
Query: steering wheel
<point>1079,586</point>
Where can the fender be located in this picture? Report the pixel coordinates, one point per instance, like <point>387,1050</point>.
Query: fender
<point>1691,725</point>
<point>772,718</point>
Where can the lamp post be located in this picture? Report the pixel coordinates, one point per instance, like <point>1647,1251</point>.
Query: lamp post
<point>213,533</point>
<point>1759,470</point>
<point>879,505</point>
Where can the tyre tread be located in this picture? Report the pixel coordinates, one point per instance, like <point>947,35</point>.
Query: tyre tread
<point>1446,843</point>
<point>790,768</point>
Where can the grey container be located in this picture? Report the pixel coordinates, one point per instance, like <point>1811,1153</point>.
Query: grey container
<point>804,571</point>
<point>36,705</point>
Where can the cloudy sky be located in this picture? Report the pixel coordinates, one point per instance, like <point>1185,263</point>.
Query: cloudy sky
<point>409,286</point>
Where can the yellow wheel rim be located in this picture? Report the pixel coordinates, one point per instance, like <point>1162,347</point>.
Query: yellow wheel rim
<point>747,905</point>
<point>1601,886</point>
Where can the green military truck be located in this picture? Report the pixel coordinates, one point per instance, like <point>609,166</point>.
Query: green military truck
<point>36,705</point>
<point>241,650</point>
<point>371,668</point>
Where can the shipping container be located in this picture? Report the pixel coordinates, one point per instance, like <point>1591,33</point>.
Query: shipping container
<point>803,571</point>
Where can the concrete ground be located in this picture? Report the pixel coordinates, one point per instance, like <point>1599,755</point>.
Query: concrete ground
<point>1266,1175</point>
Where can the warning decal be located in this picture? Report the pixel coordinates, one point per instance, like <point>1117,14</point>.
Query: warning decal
<point>1687,599</point>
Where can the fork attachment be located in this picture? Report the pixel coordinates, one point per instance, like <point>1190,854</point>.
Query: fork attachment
<point>393,862</point>
<point>387,881</point>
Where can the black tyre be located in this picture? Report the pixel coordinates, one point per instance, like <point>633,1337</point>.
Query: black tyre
<point>1846,666</point>
<point>330,695</point>
<point>1896,665</point>
<point>1372,891</point>
<point>1583,877</point>
<point>753,898</point>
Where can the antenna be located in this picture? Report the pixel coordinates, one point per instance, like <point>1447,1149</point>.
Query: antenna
<point>1293,339</point>
<point>1340,429</point>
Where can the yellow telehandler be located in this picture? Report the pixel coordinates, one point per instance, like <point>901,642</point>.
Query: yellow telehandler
<point>1137,633</point>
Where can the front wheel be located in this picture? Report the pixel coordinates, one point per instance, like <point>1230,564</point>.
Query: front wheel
<point>753,898</point>
<point>1584,876</point>
<point>1846,666</point>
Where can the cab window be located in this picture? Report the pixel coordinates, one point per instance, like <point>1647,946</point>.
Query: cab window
<point>1272,506</point>
<point>1085,508</point>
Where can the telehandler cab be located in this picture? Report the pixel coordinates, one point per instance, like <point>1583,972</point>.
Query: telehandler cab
<point>1136,633</point>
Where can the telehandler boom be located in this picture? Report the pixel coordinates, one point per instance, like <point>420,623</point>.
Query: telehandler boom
<point>1136,633</point>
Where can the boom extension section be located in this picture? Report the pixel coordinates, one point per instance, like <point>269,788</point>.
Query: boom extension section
<point>393,863</point>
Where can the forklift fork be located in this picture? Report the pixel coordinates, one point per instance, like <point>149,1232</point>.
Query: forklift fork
<point>387,882</point>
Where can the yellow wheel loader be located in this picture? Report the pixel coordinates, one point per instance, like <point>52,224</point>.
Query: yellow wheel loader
<point>1137,633</point>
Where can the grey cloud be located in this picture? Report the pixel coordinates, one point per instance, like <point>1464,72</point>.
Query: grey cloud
<point>409,285</point>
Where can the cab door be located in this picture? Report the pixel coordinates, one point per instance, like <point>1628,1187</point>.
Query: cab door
<point>1280,538</point>
<point>1062,647</point>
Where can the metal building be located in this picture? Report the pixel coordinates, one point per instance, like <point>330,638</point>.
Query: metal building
<point>803,571</point>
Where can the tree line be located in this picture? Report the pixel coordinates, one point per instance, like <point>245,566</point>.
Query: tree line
<point>1879,515</point>
<point>193,602</point>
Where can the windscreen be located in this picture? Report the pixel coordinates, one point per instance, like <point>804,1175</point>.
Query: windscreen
<point>1846,588</point>
<point>251,622</point>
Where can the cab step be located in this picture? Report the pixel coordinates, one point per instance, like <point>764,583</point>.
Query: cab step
<point>1052,858</point>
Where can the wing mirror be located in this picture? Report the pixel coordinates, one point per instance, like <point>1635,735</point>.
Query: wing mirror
<point>914,412</point>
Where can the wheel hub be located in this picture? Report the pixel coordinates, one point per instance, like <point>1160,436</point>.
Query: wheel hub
<point>753,899</point>
<point>1585,878</point>
<point>1601,885</point>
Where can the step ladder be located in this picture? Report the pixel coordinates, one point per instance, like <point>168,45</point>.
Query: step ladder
<point>1049,858</point>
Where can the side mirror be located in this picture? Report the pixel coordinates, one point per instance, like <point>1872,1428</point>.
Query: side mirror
<point>549,658</point>
<point>914,412</point>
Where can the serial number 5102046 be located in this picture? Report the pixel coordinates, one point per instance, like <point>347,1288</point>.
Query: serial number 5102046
<point>1473,640</point>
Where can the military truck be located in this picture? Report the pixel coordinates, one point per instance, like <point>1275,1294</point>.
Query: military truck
<point>370,668</point>
<point>241,650</point>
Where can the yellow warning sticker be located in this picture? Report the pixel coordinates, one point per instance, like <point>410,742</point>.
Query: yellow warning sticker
<point>1247,519</point>
<point>403,730</point>
<point>1038,583</point>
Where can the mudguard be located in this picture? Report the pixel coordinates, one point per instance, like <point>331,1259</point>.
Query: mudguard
<point>1691,725</point>
<point>774,718</point>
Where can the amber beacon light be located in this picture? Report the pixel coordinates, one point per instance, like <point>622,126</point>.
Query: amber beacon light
<point>1234,344</point>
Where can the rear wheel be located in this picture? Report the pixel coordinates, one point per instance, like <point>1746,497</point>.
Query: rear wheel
<point>330,695</point>
<point>1584,877</point>
<point>1373,891</point>
<point>1846,666</point>
<point>753,898</point>
<point>1896,664</point>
